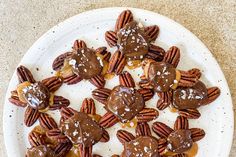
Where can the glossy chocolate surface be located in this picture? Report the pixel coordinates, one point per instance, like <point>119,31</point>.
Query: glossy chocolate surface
<point>40,151</point>
<point>161,76</point>
<point>190,98</point>
<point>85,63</point>
<point>37,95</point>
<point>125,103</point>
<point>132,41</point>
<point>81,129</point>
<point>143,146</point>
<point>179,141</point>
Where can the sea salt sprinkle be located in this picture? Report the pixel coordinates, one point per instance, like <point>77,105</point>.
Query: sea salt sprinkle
<point>132,41</point>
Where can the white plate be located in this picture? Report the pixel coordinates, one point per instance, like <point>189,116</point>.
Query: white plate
<point>216,119</point>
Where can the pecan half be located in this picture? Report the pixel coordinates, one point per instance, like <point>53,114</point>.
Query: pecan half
<point>124,136</point>
<point>67,112</point>
<point>85,151</point>
<point>155,53</point>
<point>212,93</point>
<point>103,52</point>
<point>59,102</point>
<point>187,79</point>
<point>125,17</point>
<point>72,79</point>
<point>98,81</point>
<point>144,83</point>
<point>190,113</point>
<point>162,144</point>
<point>14,99</point>
<point>195,72</point>
<point>146,115</point>
<point>108,120</point>
<point>165,99</point>
<point>172,56</point>
<point>147,93</point>
<point>143,129</point>
<point>117,63</point>
<point>197,134</point>
<point>56,134</point>
<point>126,79</point>
<point>52,83</point>
<point>88,106</point>
<point>105,136</point>
<point>161,129</point>
<point>31,116</point>
<point>59,61</point>
<point>35,139</point>
<point>101,94</point>
<point>152,32</point>
<point>181,123</point>
<point>79,44</point>
<point>24,74</point>
<point>111,38</point>
<point>62,149</point>
<point>47,122</point>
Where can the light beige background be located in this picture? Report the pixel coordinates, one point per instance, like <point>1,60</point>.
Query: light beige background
<point>22,22</point>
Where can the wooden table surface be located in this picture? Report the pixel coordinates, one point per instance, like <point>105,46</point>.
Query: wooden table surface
<point>22,22</point>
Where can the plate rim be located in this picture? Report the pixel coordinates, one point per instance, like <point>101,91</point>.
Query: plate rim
<point>58,26</point>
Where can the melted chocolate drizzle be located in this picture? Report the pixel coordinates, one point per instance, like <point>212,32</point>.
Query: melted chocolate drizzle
<point>161,76</point>
<point>81,129</point>
<point>40,151</point>
<point>132,41</point>
<point>37,95</point>
<point>125,103</point>
<point>179,141</point>
<point>190,98</point>
<point>144,146</point>
<point>85,63</point>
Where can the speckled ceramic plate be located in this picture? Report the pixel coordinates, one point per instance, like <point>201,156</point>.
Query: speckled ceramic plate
<point>216,119</point>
